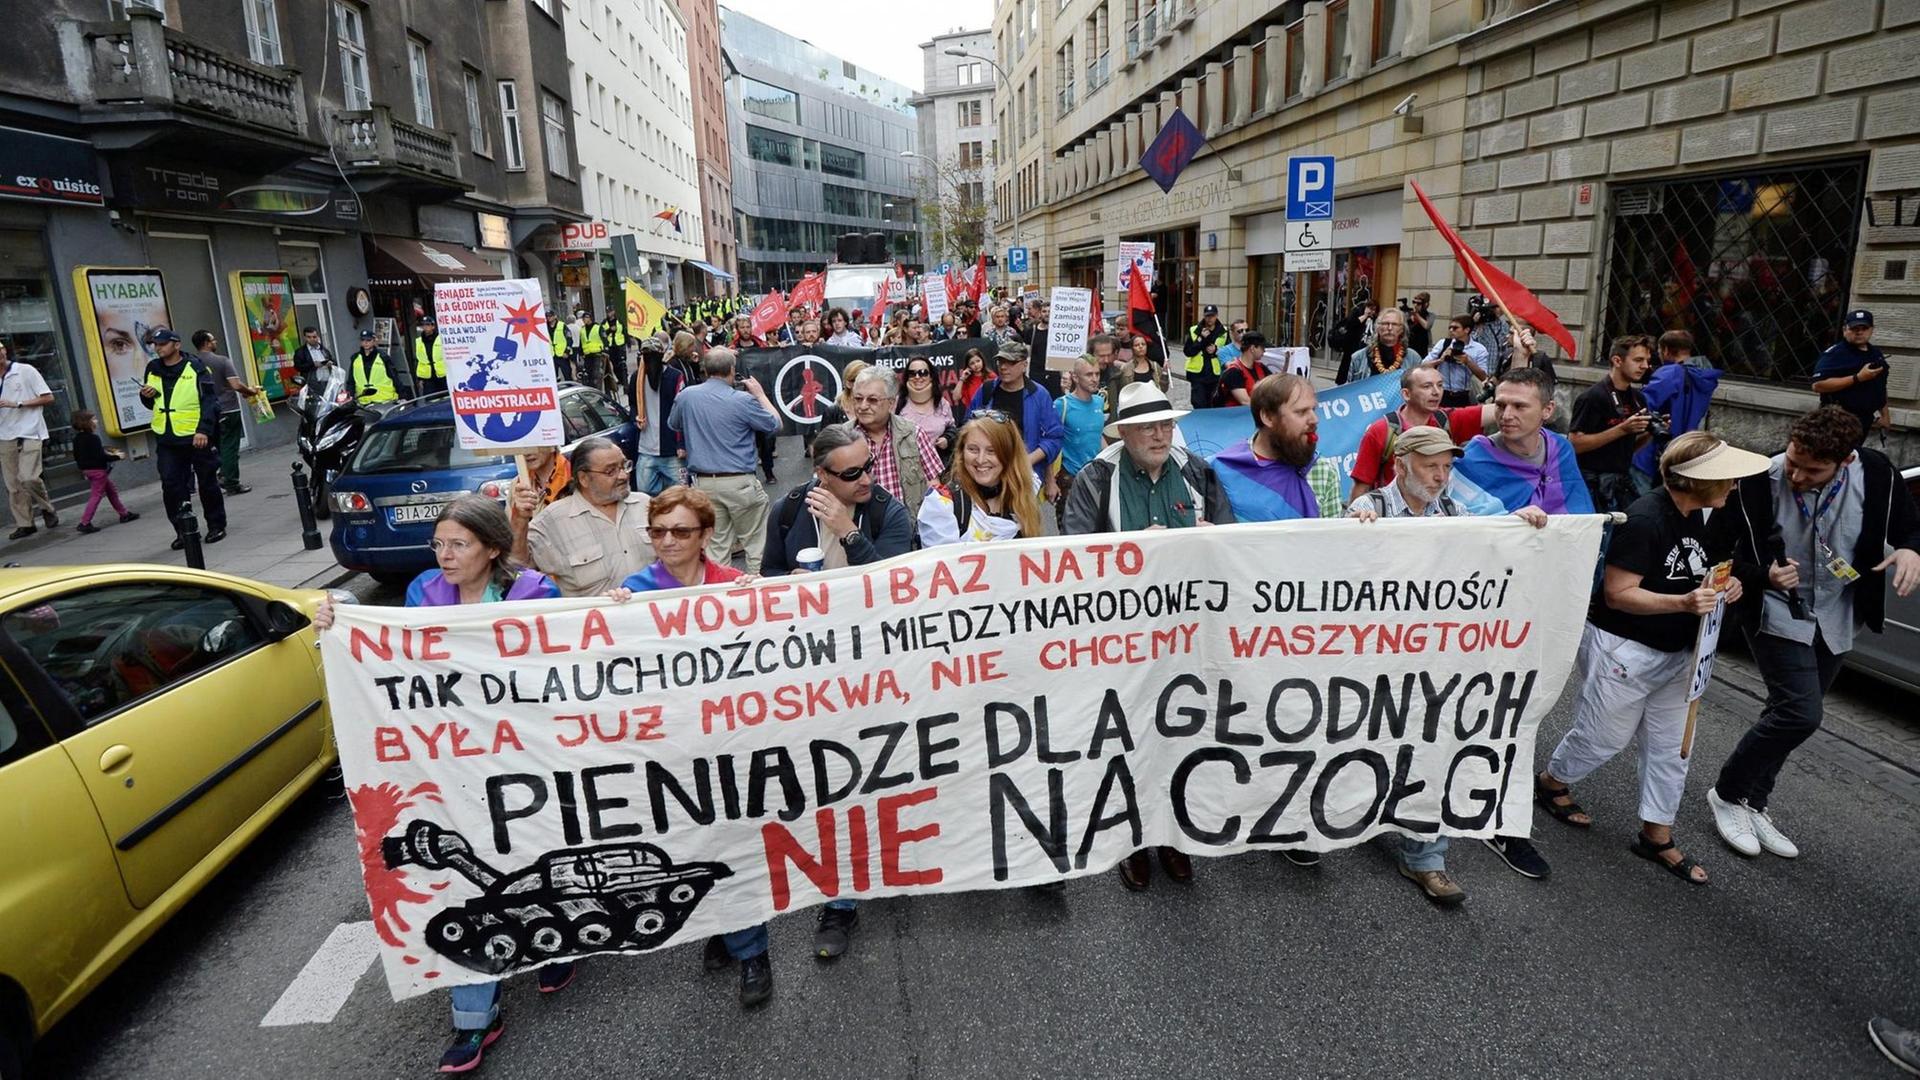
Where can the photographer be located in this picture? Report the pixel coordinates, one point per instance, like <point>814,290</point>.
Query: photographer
<point>1491,332</point>
<point>1419,317</point>
<point>1611,421</point>
<point>1462,363</point>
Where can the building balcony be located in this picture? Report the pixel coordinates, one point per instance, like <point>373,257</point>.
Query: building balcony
<point>145,85</point>
<point>394,153</point>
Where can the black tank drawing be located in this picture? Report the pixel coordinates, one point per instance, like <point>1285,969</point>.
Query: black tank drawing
<point>573,900</point>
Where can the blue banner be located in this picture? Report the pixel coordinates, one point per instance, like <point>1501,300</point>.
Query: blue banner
<point>1345,412</point>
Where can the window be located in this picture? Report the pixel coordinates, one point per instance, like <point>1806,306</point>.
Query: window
<point>351,30</point>
<point>1339,41</point>
<point>422,77</point>
<point>969,113</point>
<point>476,120</point>
<point>1296,58</point>
<point>544,5</point>
<point>837,161</point>
<point>970,155</point>
<point>777,147</point>
<point>263,31</point>
<point>1063,72</point>
<point>553,124</point>
<point>107,648</point>
<point>773,102</point>
<point>969,74</point>
<point>1389,25</point>
<point>1755,265</point>
<point>1033,104</point>
<point>510,126</point>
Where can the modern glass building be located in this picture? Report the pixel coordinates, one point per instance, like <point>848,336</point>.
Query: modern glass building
<point>817,146</point>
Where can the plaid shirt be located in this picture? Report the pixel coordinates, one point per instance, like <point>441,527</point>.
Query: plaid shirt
<point>886,464</point>
<point>1324,479</point>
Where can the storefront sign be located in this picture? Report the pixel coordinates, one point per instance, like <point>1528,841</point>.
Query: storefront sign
<point>263,304</point>
<point>120,308</point>
<point>45,168</point>
<point>204,189</point>
<point>584,236</point>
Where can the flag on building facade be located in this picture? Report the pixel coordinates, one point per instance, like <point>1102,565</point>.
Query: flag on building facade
<point>671,215</point>
<point>1171,150</point>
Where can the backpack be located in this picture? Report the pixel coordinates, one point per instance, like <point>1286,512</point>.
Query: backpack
<point>796,500</point>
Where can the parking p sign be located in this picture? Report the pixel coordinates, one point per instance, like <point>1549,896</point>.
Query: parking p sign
<point>1310,188</point>
<point>1017,260</point>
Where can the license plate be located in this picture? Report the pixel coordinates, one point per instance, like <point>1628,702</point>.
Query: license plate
<point>414,515</point>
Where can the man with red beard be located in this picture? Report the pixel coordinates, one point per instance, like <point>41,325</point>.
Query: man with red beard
<point>1277,473</point>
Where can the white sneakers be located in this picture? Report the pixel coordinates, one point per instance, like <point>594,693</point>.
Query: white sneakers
<point>1748,831</point>
<point>1734,823</point>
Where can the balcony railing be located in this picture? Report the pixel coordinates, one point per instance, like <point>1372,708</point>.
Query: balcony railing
<point>375,138</point>
<point>139,61</point>
<point>1065,99</point>
<point>1097,72</point>
<point>1133,41</point>
<point>1150,26</point>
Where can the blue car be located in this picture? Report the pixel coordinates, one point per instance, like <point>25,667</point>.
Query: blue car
<point>410,465</point>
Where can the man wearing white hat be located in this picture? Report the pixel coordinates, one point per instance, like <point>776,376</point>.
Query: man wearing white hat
<point>1145,482</point>
<point>1638,647</point>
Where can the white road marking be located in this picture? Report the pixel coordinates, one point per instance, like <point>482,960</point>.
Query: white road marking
<point>325,984</point>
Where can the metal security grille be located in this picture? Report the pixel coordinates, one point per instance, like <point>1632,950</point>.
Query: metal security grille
<point>1754,265</point>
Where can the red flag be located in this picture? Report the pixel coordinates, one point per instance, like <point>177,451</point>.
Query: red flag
<point>1516,299</point>
<point>768,314</point>
<point>810,292</point>
<point>880,298</point>
<point>956,286</point>
<point>1098,324</point>
<point>980,278</point>
<point>1138,299</point>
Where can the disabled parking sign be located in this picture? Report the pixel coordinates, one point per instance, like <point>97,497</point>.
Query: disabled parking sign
<point>499,364</point>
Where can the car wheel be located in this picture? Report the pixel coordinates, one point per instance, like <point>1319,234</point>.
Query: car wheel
<point>393,581</point>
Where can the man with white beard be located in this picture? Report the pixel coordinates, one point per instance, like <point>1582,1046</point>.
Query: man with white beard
<point>1423,460</point>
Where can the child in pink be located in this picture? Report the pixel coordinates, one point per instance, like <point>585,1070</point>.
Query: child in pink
<point>96,463</point>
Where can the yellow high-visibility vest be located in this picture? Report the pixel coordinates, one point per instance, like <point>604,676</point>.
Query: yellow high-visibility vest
<point>429,367</point>
<point>370,373</point>
<point>594,344</point>
<point>177,413</point>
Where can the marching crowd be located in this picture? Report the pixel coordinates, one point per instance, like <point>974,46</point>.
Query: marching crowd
<point>991,450</point>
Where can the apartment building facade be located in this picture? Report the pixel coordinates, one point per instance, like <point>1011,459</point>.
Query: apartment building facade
<point>959,141</point>
<point>707,67</point>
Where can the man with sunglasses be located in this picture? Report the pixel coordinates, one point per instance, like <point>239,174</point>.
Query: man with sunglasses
<point>591,540</point>
<point>1029,406</point>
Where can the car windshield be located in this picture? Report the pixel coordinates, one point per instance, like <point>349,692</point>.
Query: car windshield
<point>392,448</point>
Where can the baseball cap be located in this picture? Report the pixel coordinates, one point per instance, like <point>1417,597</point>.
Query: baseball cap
<point>1210,309</point>
<point>366,335</point>
<point>164,334</point>
<point>1859,317</point>
<point>1425,440</point>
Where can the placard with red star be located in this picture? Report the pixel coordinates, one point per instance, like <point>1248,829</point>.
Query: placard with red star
<point>525,321</point>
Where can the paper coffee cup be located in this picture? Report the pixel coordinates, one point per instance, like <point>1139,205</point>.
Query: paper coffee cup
<point>811,558</point>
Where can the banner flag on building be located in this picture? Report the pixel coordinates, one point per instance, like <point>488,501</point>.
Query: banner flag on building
<point>1172,149</point>
<point>1516,299</point>
<point>545,780</point>
<point>671,215</point>
<point>644,313</point>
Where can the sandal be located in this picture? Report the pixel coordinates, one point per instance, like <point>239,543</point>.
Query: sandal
<point>1651,852</point>
<point>1563,811</point>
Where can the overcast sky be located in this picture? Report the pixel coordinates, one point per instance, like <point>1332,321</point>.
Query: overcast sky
<point>880,35</point>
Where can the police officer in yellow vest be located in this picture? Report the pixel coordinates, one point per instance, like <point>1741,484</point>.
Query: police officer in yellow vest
<point>429,360</point>
<point>562,348</point>
<point>593,349</point>
<point>1203,356</point>
<point>185,400</point>
<point>370,375</point>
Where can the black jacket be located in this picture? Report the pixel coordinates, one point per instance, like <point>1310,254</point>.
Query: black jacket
<point>885,531</point>
<point>303,361</point>
<point>1749,526</point>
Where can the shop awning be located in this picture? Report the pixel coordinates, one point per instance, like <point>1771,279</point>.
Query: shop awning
<point>427,261</point>
<point>711,269</point>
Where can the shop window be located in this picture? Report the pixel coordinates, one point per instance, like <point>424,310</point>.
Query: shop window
<point>30,329</point>
<point>1754,265</point>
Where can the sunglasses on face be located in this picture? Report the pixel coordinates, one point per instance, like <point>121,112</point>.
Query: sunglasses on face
<point>919,373</point>
<point>994,415</point>
<point>678,532</point>
<point>850,475</point>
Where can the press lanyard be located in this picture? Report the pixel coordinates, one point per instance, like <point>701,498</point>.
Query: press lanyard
<point>1812,518</point>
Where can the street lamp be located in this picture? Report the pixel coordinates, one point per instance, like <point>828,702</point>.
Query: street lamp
<point>933,167</point>
<point>1006,88</point>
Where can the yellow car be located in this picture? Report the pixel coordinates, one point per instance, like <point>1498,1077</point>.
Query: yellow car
<point>153,720</point>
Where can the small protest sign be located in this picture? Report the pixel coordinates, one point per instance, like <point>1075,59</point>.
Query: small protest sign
<point>499,364</point>
<point>933,293</point>
<point>1069,311</point>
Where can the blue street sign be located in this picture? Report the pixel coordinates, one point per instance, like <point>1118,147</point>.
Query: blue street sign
<point>1017,260</point>
<point>946,268</point>
<point>1310,188</point>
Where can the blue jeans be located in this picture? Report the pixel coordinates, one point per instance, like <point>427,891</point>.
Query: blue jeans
<point>746,944</point>
<point>655,473</point>
<point>476,1006</point>
<point>1420,855</point>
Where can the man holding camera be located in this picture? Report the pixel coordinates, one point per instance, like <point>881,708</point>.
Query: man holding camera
<point>1462,363</point>
<point>1419,316</point>
<point>1491,332</point>
<point>1611,421</point>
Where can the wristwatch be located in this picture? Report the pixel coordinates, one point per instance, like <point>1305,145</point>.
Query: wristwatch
<point>847,540</point>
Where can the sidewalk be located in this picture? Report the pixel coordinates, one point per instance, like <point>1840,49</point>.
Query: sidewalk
<point>263,532</point>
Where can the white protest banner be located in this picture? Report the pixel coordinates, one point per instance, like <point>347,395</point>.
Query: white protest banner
<point>933,290</point>
<point>1134,253</point>
<point>1289,360</point>
<point>535,780</point>
<point>499,364</point>
<point>1069,313</point>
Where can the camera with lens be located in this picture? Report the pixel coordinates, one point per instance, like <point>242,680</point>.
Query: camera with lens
<point>1481,310</point>
<point>1660,425</point>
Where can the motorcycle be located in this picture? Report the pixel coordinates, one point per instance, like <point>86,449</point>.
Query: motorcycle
<point>332,424</point>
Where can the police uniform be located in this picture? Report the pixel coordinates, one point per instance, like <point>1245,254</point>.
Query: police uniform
<point>1203,370</point>
<point>429,366</point>
<point>370,376</point>
<point>186,403</point>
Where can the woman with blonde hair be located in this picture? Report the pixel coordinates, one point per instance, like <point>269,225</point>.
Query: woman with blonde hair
<point>1637,650</point>
<point>991,492</point>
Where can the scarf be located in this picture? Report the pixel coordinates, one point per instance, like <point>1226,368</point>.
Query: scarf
<point>1262,489</point>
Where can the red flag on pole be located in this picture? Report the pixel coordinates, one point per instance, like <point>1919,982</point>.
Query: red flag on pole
<point>811,291</point>
<point>1138,299</point>
<point>980,278</point>
<point>956,286</point>
<point>768,314</point>
<point>1510,296</point>
<point>881,297</point>
<point>1097,325</point>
